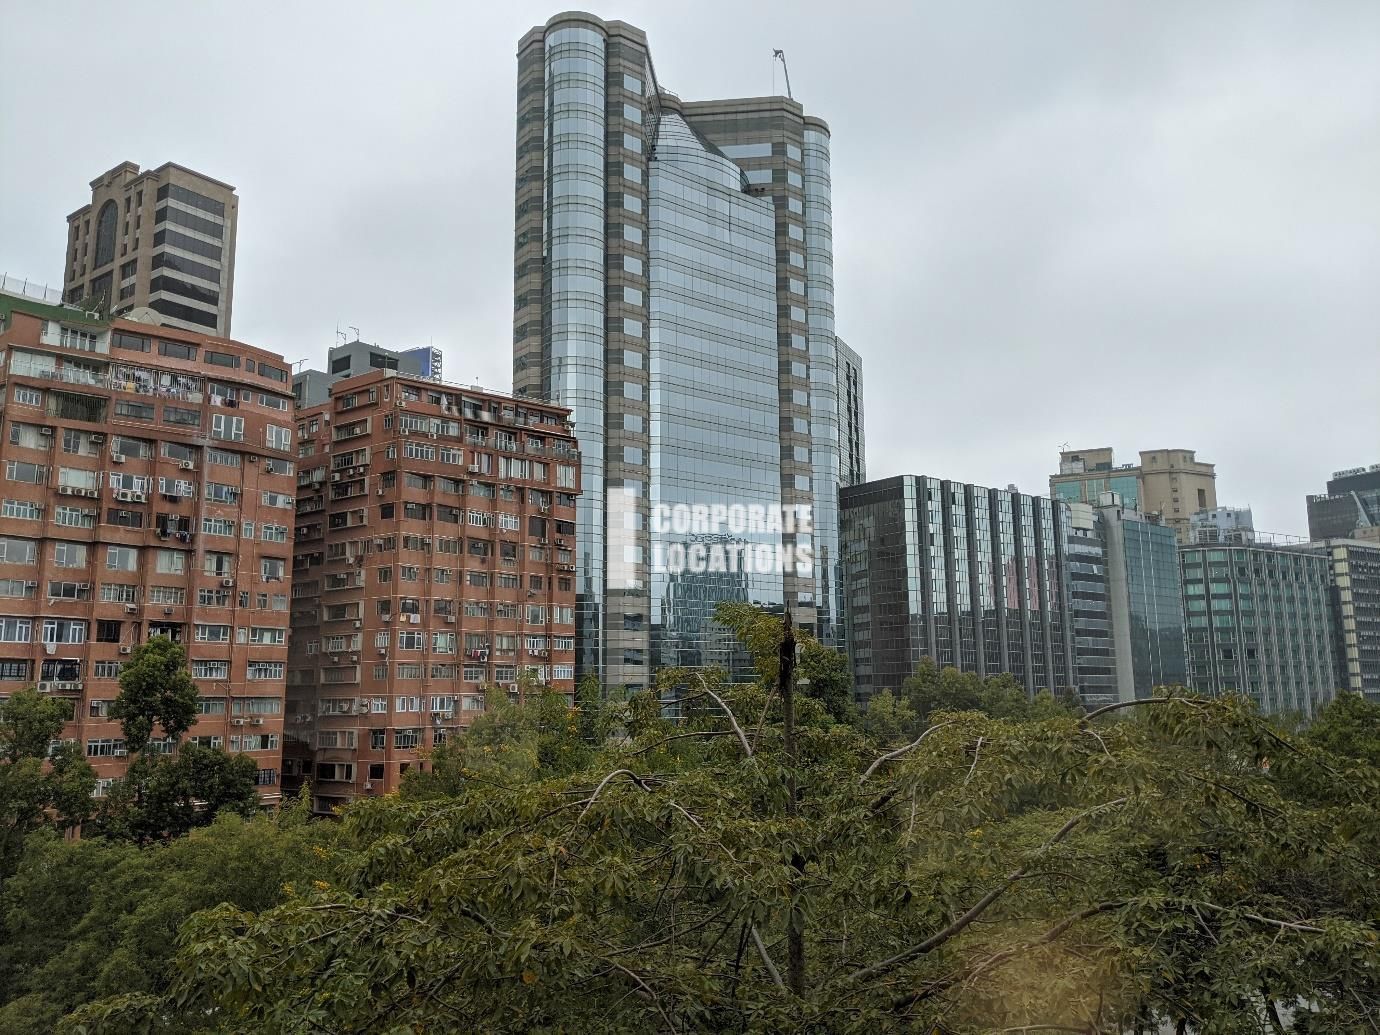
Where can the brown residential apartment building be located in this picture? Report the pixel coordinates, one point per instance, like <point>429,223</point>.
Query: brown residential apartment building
<point>162,238</point>
<point>147,490</point>
<point>433,564</point>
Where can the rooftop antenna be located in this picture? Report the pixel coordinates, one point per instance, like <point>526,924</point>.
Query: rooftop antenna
<point>339,333</point>
<point>781,55</point>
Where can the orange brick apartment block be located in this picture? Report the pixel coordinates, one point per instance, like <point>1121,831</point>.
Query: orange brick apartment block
<point>434,562</point>
<point>146,485</point>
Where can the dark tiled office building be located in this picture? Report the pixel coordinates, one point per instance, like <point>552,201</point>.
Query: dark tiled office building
<point>1260,623</point>
<point>1352,502</point>
<point>969,576</point>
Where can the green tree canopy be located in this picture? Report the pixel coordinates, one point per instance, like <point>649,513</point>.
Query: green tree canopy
<point>156,688</point>
<point>164,796</point>
<point>38,787</point>
<point>991,874</point>
<point>93,918</point>
<point>825,668</point>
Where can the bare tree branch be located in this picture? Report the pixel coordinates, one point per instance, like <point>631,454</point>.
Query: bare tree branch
<point>602,783</point>
<point>982,904</point>
<point>766,960</point>
<point>732,721</point>
<point>681,736</point>
<point>1083,722</point>
<point>977,750</point>
<point>902,750</point>
<point>1283,924</point>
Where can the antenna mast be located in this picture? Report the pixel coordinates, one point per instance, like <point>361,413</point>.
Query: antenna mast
<point>781,56</point>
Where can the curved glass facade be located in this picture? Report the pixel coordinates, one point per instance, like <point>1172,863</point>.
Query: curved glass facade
<point>825,448</point>
<point>713,378</point>
<point>574,232</point>
<point>673,285</point>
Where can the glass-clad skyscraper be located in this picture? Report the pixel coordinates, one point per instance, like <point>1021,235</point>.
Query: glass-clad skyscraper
<point>970,577</point>
<point>673,285</point>
<point>1259,623</point>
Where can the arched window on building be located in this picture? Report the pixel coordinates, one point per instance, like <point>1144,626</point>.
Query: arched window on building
<point>105,234</point>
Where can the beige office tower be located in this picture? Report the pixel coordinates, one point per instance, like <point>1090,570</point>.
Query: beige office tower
<point>1169,483</point>
<point>162,239</point>
<point>673,286</point>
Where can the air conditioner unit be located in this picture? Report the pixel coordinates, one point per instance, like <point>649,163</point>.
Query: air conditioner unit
<point>354,658</point>
<point>85,587</point>
<point>68,685</point>
<point>415,619</point>
<point>474,468</point>
<point>335,659</point>
<point>253,459</point>
<point>335,477</point>
<point>120,752</point>
<point>45,687</point>
<point>167,611</point>
<point>236,722</point>
<point>383,652</point>
<point>450,619</point>
<point>227,583</point>
<point>386,618</point>
<point>45,430</point>
<point>117,458</point>
<point>67,490</point>
<point>131,609</point>
<point>187,465</point>
<point>358,624</point>
<point>95,494</point>
<point>126,649</point>
<point>257,722</point>
<point>403,431</point>
<point>97,437</point>
<point>124,494</point>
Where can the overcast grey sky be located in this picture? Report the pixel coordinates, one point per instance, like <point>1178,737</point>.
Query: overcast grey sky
<point>1104,224</point>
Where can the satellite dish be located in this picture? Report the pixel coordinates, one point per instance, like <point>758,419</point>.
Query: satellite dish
<point>143,314</point>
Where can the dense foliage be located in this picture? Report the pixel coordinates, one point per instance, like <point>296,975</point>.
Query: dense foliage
<point>156,689</point>
<point>92,918</point>
<point>42,782</point>
<point>955,859</point>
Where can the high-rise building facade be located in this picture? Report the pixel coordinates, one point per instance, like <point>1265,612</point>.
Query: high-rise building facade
<point>148,483</point>
<point>434,560</point>
<point>973,578</point>
<point>1260,623</point>
<point>1351,504</point>
<point>160,238</point>
<point>313,387</point>
<point>1171,484</point>
<point>1355,612</point>
<point>1124,594</point>
<point>673,286</point>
